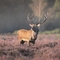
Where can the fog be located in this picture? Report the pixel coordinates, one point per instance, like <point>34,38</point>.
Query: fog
<point>13,14</point>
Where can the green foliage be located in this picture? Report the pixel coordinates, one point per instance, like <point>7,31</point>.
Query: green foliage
<point>56,31</point>
<point>57,4</point>
<point>15,32</point>
<point>56,7</point>
<point>57,15</point>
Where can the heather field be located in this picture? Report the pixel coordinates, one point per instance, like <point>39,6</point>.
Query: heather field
<point>47,47</point>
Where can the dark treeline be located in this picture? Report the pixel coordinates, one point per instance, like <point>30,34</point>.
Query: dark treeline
<point>13,14</point>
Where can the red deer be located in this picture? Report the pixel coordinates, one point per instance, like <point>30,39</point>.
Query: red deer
<point>30,35</point>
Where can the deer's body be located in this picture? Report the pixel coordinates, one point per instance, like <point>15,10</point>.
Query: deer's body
<point>26,35</point>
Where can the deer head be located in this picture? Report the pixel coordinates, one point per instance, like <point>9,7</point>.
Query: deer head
<point>35,26</point>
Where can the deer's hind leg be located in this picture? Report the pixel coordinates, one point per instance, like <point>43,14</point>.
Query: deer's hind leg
<point>22,42</point>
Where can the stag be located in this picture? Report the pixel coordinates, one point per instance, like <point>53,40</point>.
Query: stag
<point>30,35</point>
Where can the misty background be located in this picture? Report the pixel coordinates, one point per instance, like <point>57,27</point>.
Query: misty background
<point>13,14</point>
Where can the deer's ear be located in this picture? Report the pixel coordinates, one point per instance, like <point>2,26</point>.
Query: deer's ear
<point>31,25</point>
<point>38,24</point>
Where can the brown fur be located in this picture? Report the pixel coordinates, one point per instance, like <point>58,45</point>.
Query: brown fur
<point>24,34</point>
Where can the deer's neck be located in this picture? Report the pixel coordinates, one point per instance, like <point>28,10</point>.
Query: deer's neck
<point>36,30</point>
<point>34,34</point>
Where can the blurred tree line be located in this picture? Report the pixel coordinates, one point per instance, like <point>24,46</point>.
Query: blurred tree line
<point>40,7</point>
<point>53,8</point>
<point>15,13</point>
<point>57,9</point>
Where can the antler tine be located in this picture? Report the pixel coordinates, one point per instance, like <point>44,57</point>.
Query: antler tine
<point>30,17</point>
<point>45,18</point>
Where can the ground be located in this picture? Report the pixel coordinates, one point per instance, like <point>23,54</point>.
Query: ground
<point>47,47</point>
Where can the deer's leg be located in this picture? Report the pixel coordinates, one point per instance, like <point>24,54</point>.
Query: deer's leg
<point>32,41</point>
<point>22,42</point>
<point>29,43</point>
